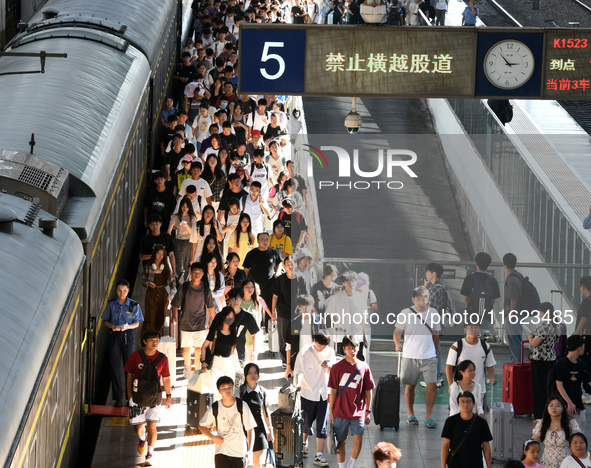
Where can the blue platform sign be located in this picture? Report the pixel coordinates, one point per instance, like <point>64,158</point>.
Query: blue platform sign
<point>272,61</point>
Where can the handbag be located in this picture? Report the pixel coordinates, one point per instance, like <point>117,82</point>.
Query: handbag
<point>331,439</point>
<point>307,19</point>
<point>286,398</point>
<point>270,459</point>
<point>209,351</point>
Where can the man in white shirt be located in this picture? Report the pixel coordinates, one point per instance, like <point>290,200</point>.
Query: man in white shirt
<point>478,351</point>
<point>231,417</point>
<point>345,316</point>
<point>201,185</point>
<point>421,326</point>
<point>312,369</point>
<point>254,206</point>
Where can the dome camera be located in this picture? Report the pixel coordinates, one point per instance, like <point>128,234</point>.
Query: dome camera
<point>353,119</point>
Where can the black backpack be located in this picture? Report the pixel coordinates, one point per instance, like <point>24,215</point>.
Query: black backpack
<point>481,298</point>
<point>530,299</point>
<point>394,16</point>
<point>149,392</point>
<point>215,408</point>
<point>459,346</point>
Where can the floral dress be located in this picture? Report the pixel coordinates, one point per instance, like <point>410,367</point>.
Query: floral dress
<point>556,447</point>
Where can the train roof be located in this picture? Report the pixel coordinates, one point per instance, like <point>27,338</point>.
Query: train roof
<point>143,24</point>
<point>38,272</point>
<point>81,110</point>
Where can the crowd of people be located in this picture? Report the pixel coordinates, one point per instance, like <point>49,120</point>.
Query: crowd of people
<point>226,252</point>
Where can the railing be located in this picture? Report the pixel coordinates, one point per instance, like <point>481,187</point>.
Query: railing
<point>541,217</point>
<point>394,280</point>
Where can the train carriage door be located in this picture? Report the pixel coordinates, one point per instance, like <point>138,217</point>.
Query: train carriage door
<point>10,16</point>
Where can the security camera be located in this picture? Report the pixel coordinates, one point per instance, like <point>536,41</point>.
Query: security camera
<point>353,119</point>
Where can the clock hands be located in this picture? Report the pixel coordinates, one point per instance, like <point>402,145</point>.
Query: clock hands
<point>507,61</point>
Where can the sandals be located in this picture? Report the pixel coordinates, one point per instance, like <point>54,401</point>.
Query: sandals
<point>413,421</point>
<point>431,423</point>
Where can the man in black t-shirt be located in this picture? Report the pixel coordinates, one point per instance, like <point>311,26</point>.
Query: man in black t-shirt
<point>159,200</point>
<point>477,433</point>
<point>297,14</point>
<point>156,237</point>
<point>173,157</point>
<point>295,224</point>
<point>570,372</point>
<point>262,264</point>
<point>233,191</point>
<point>245,322</point>
<point>483,282</point>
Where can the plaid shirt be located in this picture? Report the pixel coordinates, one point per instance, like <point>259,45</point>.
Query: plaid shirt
<point>437,296</point>
<point>216,187</point>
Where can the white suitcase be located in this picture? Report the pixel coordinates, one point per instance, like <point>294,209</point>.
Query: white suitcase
<point>501,422</point>
<point>168,347</point>
<point>273,338</point>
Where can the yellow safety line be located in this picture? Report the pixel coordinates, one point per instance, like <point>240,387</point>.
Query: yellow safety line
<point>49,381</point>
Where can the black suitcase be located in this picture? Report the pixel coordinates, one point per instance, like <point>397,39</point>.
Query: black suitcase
<point>197,405</point>
<point>289,441</point>
<point>386,402</point>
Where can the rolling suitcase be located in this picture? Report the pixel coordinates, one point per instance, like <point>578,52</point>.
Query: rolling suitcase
<point>500,421</point>
<point>273,339</point>
<point>289,437</point>
<point>517,388</point>
<point>199,398</point>
<point>386,402</point>
<point>167,346</point>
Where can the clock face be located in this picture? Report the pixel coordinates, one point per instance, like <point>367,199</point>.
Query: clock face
<point>509,64</point>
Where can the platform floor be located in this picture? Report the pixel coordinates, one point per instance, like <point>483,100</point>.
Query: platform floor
<point>178,447</point>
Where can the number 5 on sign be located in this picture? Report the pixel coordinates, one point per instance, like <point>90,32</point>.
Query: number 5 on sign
<point>267,56</point>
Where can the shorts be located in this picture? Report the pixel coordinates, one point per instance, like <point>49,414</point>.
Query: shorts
<point>341,427</point>
<point>193,339</point>
<point>315,411</point>
<point>142,414</point>
<point>411,369</point>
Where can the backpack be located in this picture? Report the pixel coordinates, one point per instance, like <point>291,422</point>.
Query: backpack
<point>530,299</point>
<point>393,16</point>
<point>215,409</point>
<point>460,345</point>
<point>451,306</point>
<point>149,392</point>
<point>252,166</point>
<point>206,293</point>
<point>481,298</point>
<point>298,219</point>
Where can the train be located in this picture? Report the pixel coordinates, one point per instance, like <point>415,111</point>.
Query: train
<point>81,93</point>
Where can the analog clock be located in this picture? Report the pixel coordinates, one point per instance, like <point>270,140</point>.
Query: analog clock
<point>509,64</point>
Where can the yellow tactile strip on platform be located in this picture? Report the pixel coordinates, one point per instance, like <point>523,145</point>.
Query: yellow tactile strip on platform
<point>198,450</point>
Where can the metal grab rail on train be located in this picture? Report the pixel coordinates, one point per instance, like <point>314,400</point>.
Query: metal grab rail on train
<point>42,56</point>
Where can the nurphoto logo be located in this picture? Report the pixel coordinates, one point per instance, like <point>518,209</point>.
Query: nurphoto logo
<point>387,161</point>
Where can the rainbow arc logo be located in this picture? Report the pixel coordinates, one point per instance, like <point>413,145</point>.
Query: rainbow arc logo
<point>317,154</point>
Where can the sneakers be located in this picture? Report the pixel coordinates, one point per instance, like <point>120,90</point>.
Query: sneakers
<point>118,404</point>
<point>142,447</point>
<point>319,460</point>
<point>423,384</point>
<point>305,450</point>
<point>284,365</point>
<point>148,458</point>
<point>439,383</point>
<point>187,372</point>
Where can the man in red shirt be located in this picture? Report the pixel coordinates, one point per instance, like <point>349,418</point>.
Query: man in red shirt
<point>144,369</point>
<point>350,384</point>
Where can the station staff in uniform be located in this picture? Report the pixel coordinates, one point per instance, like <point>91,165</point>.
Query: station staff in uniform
<point>121,315</point>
